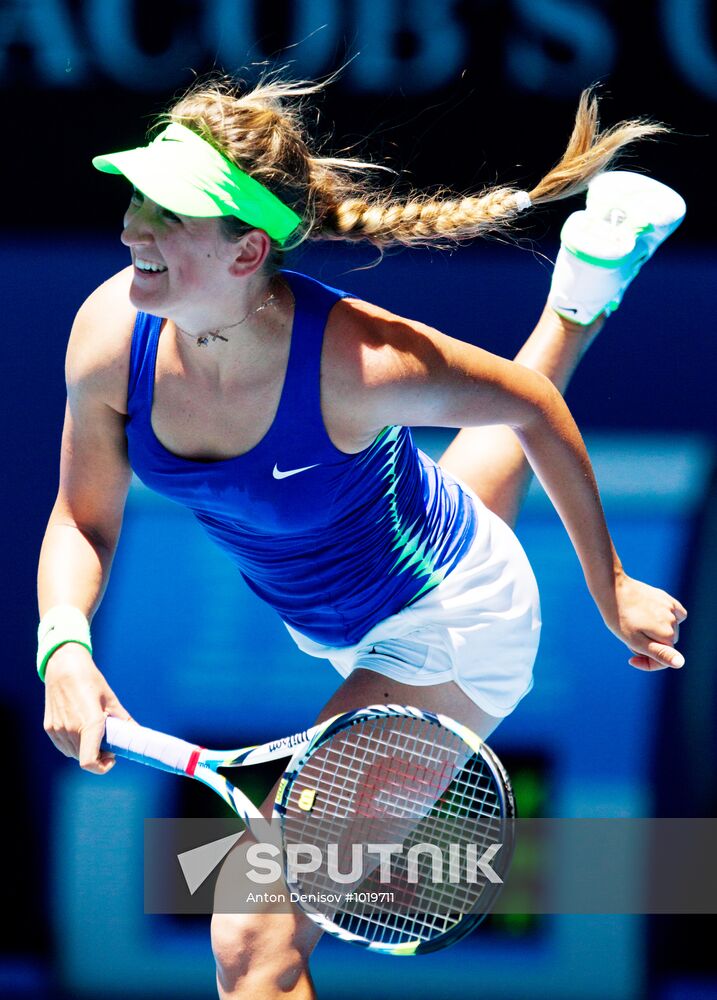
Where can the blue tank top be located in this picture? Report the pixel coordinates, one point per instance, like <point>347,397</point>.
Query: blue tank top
<point>334,542</point>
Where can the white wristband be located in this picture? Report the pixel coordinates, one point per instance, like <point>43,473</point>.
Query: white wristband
<point>61,624</point>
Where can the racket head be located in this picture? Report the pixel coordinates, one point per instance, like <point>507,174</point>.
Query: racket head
<point>396,775</point>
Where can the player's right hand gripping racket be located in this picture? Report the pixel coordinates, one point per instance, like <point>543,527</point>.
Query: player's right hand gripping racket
<point>410,814</point>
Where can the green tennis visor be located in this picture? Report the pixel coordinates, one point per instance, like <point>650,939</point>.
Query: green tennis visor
<point>181,172</point>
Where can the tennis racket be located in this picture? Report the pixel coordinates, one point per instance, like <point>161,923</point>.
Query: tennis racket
<point>405,816</point>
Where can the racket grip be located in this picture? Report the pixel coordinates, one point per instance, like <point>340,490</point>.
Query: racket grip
<point>148,746</point>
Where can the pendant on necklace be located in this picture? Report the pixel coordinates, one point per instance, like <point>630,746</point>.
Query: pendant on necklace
<point>203,339</point>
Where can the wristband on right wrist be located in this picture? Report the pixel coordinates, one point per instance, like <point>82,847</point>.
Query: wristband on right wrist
<point>60,625</point>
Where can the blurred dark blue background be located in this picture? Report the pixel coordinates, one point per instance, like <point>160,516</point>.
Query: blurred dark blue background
<point>459,94</point>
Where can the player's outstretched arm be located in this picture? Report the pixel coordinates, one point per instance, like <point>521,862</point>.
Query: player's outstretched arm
<point>417,376</point>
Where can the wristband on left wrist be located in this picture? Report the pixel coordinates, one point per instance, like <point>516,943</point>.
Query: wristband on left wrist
<point>62,624</point>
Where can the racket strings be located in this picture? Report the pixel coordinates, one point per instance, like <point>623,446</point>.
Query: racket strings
<point>419,910</point>
<point>404,781</point>
<point>364,776</point>
<point>432,906</point>
<point>339,778</point>
<point>347,760</point>
<point>441,902</point>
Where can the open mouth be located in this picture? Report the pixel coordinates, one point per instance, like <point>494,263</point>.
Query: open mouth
<point>148,267</point>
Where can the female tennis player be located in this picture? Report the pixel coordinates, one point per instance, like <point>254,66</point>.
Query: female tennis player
<point>276,409</point>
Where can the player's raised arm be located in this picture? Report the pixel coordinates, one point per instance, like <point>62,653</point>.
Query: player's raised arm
<point>83,528</point>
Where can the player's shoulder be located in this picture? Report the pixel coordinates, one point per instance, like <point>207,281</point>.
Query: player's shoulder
<point>385,346</point>
<point>99,347</point>
<point>105,319</point>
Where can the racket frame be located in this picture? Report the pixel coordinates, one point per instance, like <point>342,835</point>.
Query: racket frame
<point>159,750</point>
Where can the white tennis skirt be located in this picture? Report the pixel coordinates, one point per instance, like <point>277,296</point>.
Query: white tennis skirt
<point>480,627</point>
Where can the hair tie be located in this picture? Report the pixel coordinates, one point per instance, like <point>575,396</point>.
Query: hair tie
<point>522,200</point>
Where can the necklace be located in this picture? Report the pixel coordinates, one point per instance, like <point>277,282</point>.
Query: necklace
<point>203,338</point>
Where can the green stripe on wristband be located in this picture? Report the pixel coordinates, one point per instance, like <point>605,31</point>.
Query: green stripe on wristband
<point>62,624</point>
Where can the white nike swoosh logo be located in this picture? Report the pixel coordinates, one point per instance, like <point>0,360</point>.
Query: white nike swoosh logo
<point>292,472</point>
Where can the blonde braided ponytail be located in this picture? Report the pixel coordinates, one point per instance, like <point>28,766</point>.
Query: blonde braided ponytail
<point>422,219</point>
<point>425,220</point>
<point>263,132</point>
